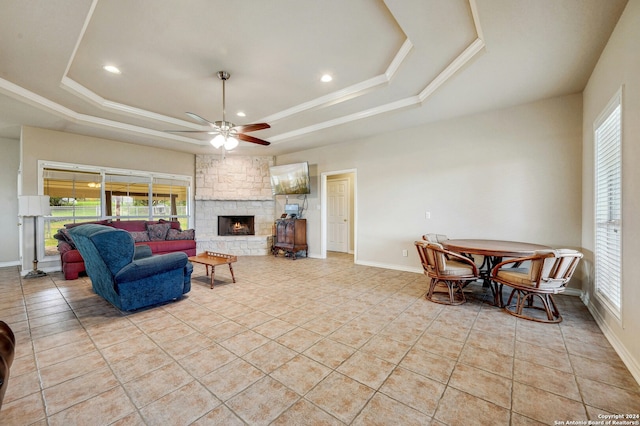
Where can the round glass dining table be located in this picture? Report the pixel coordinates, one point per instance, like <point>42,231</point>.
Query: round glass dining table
<point>493,251</point>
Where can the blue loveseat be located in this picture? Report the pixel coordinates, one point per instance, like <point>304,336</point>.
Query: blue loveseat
<point>126,275</point>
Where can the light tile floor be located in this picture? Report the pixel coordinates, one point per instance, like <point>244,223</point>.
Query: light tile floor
<point>304,342</point>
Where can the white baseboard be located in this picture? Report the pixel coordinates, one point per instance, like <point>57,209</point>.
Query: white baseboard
<point>7,264</point>
<point>569,291</point>
<point>390,266</point>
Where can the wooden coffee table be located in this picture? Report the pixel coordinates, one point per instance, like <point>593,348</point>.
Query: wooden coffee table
<point>212,259</point>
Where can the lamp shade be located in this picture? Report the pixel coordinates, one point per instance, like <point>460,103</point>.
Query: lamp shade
<point>33,205</point>
<point>230,143</point>
<point>218,141</point>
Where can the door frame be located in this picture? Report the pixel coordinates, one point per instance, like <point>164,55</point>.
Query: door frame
<point>323,211</point>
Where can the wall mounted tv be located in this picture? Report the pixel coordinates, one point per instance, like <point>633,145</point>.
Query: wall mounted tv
<point>290,179</point>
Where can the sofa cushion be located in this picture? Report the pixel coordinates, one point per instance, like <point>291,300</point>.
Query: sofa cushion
<point>130,225</point>
<point>158,232</point>
<point>174,234</point>
<point>140,236</point>
<point>166,246</point>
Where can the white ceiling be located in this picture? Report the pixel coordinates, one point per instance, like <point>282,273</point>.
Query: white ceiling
<point>395,63</point>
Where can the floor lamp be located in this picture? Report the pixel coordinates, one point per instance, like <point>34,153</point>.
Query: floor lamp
<point>34,206</point>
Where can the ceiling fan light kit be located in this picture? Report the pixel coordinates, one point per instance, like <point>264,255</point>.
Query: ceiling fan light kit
<point>227,134</point>
<point>226,142</point>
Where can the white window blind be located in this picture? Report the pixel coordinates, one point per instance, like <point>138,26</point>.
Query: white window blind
<point>608,198</point>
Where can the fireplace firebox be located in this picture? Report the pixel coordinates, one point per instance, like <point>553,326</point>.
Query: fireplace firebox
<point>236,225</point>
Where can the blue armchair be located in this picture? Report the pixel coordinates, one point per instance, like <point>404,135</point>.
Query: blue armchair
<point>129,277</point>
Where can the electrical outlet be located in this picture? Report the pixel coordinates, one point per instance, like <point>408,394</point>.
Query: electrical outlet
<point>405,253</point>
<point>427,215</point>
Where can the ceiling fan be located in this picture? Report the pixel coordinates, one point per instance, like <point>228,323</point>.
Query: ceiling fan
<point>227,133</point>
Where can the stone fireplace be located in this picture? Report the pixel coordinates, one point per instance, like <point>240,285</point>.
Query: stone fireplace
<point>233,187</point>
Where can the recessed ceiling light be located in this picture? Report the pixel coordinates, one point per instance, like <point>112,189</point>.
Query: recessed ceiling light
<point>241,114</point>
<point>326,78</point>
<point>112,69</point>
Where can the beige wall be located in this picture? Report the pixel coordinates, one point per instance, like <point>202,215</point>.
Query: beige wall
<point>619,65</point>
<point>511,174</point>
<point>40,144</point>
<point>9,160</point>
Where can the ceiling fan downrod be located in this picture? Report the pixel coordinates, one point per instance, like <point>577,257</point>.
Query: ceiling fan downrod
<point>224,76</point>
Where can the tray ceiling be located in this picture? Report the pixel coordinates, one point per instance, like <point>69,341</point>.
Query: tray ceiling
<point>394,63</point>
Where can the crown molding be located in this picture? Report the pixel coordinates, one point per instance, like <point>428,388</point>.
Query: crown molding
<point>391,106</point>
<point>40,102</point>
<point>466,56</point>
<point>81,91</point>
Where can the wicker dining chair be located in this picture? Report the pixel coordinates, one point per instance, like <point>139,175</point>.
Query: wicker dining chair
<point>435,238</point>
<point>548,273</point>
<point>448,269</point>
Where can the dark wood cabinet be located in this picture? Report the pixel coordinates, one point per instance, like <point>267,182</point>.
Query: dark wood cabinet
<point>290,237</point>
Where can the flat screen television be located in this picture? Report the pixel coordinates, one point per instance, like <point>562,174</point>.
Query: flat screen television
<point>290,179</point>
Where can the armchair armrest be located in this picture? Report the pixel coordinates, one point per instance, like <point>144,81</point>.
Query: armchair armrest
<point>149,266</point>
<point>141,252</point>
<point>516,260</point>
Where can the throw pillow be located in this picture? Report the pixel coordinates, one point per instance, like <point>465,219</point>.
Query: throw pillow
<point>140,237</point>
<point>174,224</point>
<point>174,234</point>
<point>63,235</point>
<point>158,231</point>
<point>64,247</point>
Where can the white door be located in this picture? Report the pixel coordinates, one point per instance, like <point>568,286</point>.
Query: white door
<point>338,215</point>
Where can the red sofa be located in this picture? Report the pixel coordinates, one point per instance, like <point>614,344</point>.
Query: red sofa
<point>144,232</point>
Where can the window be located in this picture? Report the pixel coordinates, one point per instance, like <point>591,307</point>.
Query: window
<point>74,197</point>
<point>170,200</point>
<point>126,196</point>
<point>608,200</point>
<point>84,194</point>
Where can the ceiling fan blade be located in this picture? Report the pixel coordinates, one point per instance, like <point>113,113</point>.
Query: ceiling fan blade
<point>251,127</point>
<point>251,139</point>
<point>200,119</point>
